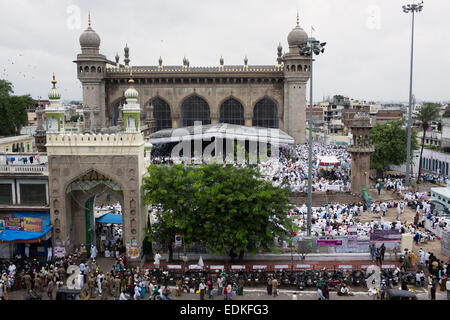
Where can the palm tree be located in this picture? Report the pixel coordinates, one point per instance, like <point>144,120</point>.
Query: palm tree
<point>428,113</point>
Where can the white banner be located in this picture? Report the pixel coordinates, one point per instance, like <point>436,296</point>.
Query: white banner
<point>281,266</point>
<point>345,267</point>
<point>195,266</point>
<point>172,266</point>
<point>303,266</point>
<point>59,252</point>
<point>259,267</point>
<point>238,267</point>
<point>216,267</point>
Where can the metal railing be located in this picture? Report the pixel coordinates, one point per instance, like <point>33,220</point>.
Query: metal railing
<point>23,168</point>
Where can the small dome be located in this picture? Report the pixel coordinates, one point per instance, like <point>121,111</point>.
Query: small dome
<point>297,37</point>
<point>54,93</point>
<point>131,93</point>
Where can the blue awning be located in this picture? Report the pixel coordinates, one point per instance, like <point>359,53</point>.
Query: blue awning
<point>14,235</point>
<point>110,218</point>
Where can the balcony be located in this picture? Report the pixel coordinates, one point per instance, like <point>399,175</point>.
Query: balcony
<point>25,169</point>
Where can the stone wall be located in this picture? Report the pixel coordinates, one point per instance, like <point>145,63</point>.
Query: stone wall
<point>321,198</point>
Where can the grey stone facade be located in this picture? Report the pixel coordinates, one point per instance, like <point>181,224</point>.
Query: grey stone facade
<point>104,83</point>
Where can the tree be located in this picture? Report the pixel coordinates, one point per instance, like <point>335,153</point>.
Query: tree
<point>225,207</point>
<point>428,113</point>
<point>13,110</point>
<point>390,140</point>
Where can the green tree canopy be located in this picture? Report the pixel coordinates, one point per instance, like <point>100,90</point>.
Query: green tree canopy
<point>13,110</point>
<point>390,141</point>
<point>225,207</point>
<point>427,114</point>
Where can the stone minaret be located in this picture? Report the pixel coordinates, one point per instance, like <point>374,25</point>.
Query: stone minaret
<point>296,73</point>
<point>91,73</point>
<point>360,151</point>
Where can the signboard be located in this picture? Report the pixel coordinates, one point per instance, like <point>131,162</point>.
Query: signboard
<point>216,267</point>
<point>172,266</point>
<point>388,266</point>
<point>329,242</point>
<point>177,241</point>
<point>23,224</point>
<point>32,225</point>
<point>386,235</point>
<point>132,251</point>
<point>303,266</point>
<point>259,267</point>
<point>238,267</point>
<point>14,223</point>
<point>281,266</point>
<point>195,266</point>
<point>345,266</point>
<point>59,252</point>
<point>352,233</point>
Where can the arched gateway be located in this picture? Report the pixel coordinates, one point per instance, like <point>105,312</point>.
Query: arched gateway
<point>82,166</point>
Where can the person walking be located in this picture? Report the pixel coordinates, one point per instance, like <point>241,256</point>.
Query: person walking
<point>379,186</point>
<point>433,290</point>
<point>50,288</point>
<point>382,251</point>
<point>320,294</point>
<point>269,286</point>
<point>372,251</point>
<point>219,285</point>
<point>378,256</point>
<point>202,288</point>
<point>275,287</point>
<point>209,284</point>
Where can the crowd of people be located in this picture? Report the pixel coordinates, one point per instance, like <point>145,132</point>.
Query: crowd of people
<point>291,168</point>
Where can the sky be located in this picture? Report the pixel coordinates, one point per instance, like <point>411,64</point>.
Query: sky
<point>367,54</point>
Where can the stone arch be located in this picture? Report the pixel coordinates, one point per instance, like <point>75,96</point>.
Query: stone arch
<point>299,68</point>
<point>93,69</point>
<point>162,113</point>
<point>115,112</point>
<point>86,69</point>
<point>293,68</point>
<point>99,69</point>
<point>266,113</point>
<point>232,110</point>
<point>194,108</point>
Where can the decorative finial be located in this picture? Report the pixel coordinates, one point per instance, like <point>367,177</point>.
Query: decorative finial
<point>54,81</point>
<point>131,81</point>
<point>298,19</point>
<point>89,19</point>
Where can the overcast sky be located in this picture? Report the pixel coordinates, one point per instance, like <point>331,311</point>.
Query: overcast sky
<point>367,54</point>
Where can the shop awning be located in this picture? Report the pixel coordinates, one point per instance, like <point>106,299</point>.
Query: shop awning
<point>110,218</point>
<point>27,236</point>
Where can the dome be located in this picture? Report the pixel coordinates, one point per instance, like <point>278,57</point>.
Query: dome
<point>54,93</point>
<point>131,93</point>
<point>89,39</point>
<point>297,37</point>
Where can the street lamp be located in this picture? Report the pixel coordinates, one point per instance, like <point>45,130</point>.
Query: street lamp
<point>311,47</point>
<point>410,8</point>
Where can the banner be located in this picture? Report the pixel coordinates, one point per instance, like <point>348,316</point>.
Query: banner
<point>386,235</point>
<point>178,240</point>
<point>13,223</point>
<point>59,252</point>
<point>32,225</point>
<point>329,242</point>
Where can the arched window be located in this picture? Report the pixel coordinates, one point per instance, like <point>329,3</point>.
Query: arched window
<point>86,69</point>
<point>161,114</point>
<point>299,68</point>
<point>232,112</point>
<point>194,109</point>
<point>287,67</point>
<point>99,69</point>
<point>305,68</point>
<point>92,69</point>
<point>81,69</point>
<point>265,114</point>
<point>293,68</point>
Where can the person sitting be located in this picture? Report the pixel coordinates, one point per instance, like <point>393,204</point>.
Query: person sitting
<point>343,291</point>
